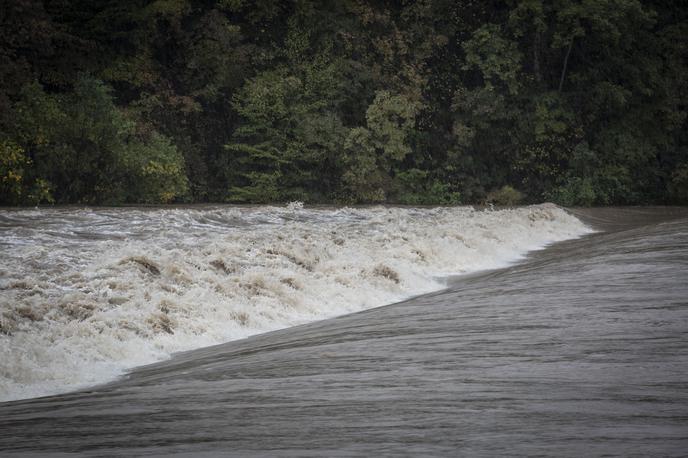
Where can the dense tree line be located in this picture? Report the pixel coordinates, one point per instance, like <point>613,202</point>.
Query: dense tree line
<point>582,102</point>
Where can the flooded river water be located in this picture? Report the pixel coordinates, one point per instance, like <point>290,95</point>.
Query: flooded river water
<point>580,349</point>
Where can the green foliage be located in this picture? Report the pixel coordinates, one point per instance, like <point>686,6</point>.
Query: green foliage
<point>17,186</point>
<point>154,171</point>
<point>371,152</point>
<point>546,139</point>
<point>13,162</point>
<point>433,102</point>
<point>550,118</point>
<point>506,195</point>
<point>592,180</point>
<point>495,57</point>
<point>609,186</point>
<point>365,180</point>
<point>84,147</point>
<point>290,136</point>
<point>575,192</point>
<point>415,187</point>
<point>390,119</point>
<point>678,186</point>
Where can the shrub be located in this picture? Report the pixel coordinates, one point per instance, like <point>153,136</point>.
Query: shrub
<point>506,195</point>
<point>576,191</point>
<point>12,164</point>
<point>16,187</point>
<point>678,187</point>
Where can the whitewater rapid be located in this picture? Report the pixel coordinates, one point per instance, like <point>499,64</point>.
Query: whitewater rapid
<point>86,294</point>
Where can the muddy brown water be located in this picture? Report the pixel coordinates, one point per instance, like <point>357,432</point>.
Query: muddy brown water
<point>581,350</point>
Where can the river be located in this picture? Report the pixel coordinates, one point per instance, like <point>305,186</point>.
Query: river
<point>577,349</point>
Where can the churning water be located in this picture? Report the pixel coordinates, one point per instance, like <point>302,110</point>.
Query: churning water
<point>580,349</point>
<point>86,294</point>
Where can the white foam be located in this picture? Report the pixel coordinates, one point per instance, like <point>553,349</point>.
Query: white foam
<point>87,294</point>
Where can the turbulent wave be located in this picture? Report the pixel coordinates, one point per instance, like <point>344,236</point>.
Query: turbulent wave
<point>87,294</point>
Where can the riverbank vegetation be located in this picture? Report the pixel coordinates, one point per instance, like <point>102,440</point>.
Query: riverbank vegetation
<point>581,102</point>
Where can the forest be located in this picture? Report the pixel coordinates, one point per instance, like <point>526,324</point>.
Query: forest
<point>434,102</point>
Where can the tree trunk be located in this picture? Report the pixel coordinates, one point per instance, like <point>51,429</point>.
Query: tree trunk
<point>536,56</point>
<point>566,63</point>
